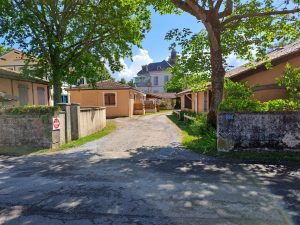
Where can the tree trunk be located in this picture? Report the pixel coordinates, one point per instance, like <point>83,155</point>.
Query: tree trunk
<point>217,78</point>
<point>56,86</point>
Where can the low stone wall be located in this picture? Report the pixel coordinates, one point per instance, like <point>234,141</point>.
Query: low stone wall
<point>91,120</point>
<point>36,131</point>
<point>276,131</point>
<point>28,131</point>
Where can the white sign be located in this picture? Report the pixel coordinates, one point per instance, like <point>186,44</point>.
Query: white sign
<point>56,123</point>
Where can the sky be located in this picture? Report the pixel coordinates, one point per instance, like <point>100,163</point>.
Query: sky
<point>155,48</point>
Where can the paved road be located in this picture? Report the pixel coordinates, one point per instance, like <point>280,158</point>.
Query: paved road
<point>140,175</point>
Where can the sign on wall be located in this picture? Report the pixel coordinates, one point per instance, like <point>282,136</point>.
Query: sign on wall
<point>56,123</point>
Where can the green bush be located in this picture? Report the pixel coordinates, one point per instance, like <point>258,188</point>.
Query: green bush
<point>291,81</point>
<point>237,101</point>
<point>240,105</point>
<point>31,109</point>
<point>199,125</point>
<point>283,105</point>
<point>237,90</point>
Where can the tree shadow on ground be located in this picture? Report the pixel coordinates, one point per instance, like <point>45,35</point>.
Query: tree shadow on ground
<point>149,185</point>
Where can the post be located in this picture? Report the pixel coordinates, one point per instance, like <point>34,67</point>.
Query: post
<point>75,121</point>
<point>68,128</point>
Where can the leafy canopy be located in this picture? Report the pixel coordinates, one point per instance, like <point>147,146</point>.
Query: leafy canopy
<point>248,30</point>
<point>74,38</point>
<point>291,81</point>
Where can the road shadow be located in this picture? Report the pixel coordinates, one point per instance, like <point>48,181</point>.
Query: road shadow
<point>149,185</point>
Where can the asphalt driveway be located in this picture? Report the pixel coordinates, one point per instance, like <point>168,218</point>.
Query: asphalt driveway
<point>140,175</point>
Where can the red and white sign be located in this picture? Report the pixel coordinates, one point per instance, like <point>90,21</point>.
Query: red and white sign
<point>56,124</point>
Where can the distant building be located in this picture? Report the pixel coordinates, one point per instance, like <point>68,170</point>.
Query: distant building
<point>152,77</point>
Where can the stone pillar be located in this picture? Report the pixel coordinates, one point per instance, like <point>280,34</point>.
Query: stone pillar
<point>75,121</point>
<point>67,108</point>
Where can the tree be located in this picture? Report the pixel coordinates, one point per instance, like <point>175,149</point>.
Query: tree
<point>230,27</point>
<point>131,83</point>
<point>4,50</point>
<point>74,38</point>
<point>123,81</point>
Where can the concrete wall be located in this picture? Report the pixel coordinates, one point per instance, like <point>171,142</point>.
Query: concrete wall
<point>259,131</point>
<point>92,120</point>
<point>28,130</point>
<point>11,87</point>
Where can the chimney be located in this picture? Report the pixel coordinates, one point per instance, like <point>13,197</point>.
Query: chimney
<point>145,68</point>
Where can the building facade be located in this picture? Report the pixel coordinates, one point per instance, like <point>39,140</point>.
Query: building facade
<point>24,90</point>
<point>119,99</point>
<point>152,77</point>
<point>262,79</point>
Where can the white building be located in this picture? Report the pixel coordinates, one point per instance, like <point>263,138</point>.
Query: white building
<point>152,77</point>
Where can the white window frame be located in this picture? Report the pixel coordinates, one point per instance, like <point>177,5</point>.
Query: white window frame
<point>116,98</point>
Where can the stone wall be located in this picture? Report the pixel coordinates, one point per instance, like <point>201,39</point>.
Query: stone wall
<point>36,131</point>
<point>259,131</point>
<point>27,130</point>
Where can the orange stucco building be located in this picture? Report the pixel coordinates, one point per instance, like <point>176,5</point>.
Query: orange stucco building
<point>26,90</point>
<point>264,80</point>
<point>118,98</point>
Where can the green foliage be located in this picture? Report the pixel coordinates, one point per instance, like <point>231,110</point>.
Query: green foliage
<point>31,109</point>
<point>131,83</point>
<point>198,134</point>
<point>239,98</point>
<point>4,50</point>
<point>122,81</point>
<point>71,39</point>
<point>237,90</point>
<point>291,81</point>
<point>282,105</point>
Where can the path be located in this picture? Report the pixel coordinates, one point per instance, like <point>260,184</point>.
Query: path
<point>140,175</point>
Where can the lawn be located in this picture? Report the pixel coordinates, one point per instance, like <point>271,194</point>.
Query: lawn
<point>207,144</point>
<point>18,151</point>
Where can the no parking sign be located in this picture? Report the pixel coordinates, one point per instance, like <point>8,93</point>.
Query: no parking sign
<point>56,123</point>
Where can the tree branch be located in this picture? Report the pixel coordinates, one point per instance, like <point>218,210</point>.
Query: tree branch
<point>218,5</point>
<point>250,15</point>
<point>228,9</point>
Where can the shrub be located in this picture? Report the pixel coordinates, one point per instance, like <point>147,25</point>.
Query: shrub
<point>237,90</point>
<point>163,104</point>
<point>31,109</point>
<point>199,125</point>
<point>283,105</point>
<point>240,105</point>
<point>291,81</point>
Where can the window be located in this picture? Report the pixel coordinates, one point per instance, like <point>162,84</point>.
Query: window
<point>110,99</point>
<point>41,96</point>
<point>188,101</point>
<point>64,99</point>
<point>166,78</point>
<point>23,94</point>
<point>155,80</point>
<point>81,81</point>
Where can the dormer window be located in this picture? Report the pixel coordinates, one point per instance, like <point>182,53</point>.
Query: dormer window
<point>159,68</point>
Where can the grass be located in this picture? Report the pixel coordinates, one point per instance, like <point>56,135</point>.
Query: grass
<point>207,144</point>
<point>17,151</point>
<point>160,112</point>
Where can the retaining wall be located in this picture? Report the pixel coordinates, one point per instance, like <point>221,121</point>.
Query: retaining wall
<point>276,131</point>
<point>28,130</point>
